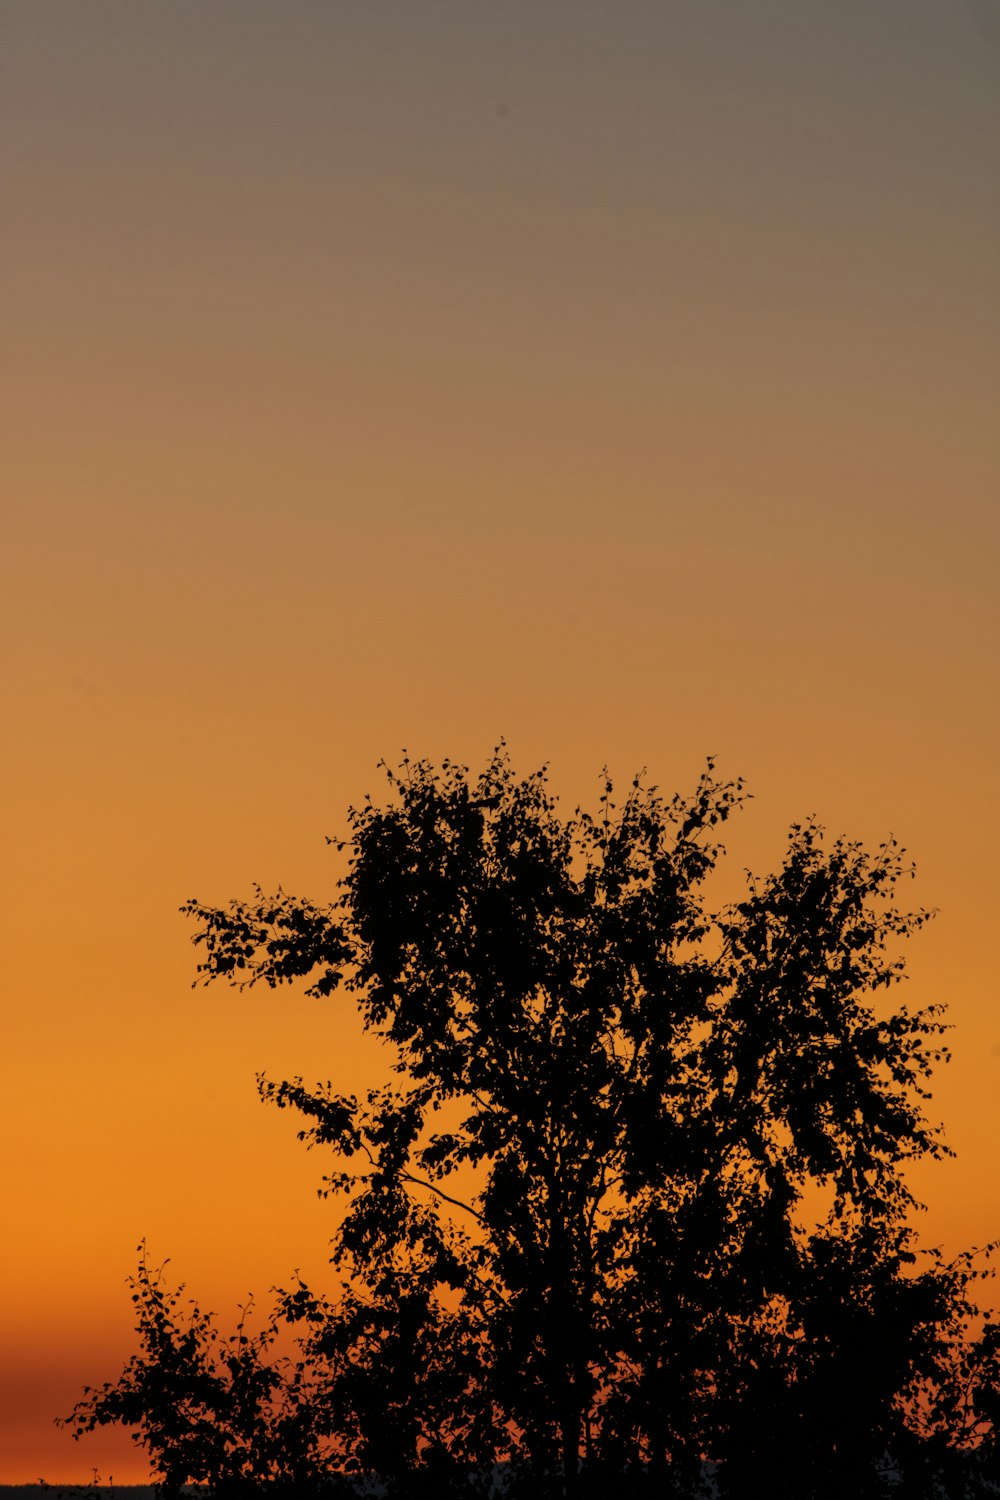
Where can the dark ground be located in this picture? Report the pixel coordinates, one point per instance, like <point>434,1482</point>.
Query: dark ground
<point>64,1491</point>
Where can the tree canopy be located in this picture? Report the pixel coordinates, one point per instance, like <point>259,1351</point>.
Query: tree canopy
<point>633,1210</point>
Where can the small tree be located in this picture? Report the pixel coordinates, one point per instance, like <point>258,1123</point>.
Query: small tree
<point>226,1412</point>
<point>643,1096</point>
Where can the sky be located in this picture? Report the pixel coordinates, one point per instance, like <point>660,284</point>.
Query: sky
<point>617,379</point>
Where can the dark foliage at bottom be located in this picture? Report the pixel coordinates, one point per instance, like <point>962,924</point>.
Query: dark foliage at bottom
<point>633,1219</point>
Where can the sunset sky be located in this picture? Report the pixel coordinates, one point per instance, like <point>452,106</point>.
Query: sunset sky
<point>618,378</point>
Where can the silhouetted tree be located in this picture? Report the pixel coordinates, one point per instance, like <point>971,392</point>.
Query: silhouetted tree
<point>226,1412</point>
<point>577,1236</point>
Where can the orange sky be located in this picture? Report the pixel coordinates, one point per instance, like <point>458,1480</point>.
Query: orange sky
<point>621,379</point>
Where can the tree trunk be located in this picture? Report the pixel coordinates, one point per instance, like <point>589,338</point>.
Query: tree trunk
<point>570,1436</point>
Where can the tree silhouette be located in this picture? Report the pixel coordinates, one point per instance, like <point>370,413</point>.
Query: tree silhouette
<point>225,1412</point>
<point>580,1237</point>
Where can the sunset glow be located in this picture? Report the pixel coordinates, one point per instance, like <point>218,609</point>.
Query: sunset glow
<point>618,379</point>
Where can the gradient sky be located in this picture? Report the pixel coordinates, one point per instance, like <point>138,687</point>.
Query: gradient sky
<point>618,378</point>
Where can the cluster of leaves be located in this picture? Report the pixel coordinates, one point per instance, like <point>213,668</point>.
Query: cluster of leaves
<point>577,1241</point>
<point>228,1412</point>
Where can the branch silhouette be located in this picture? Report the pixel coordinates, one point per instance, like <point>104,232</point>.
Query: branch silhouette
<point>651,1094</point>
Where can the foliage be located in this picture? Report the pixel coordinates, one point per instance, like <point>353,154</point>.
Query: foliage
<point>210,1410</point>
<point>579,1238</point>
